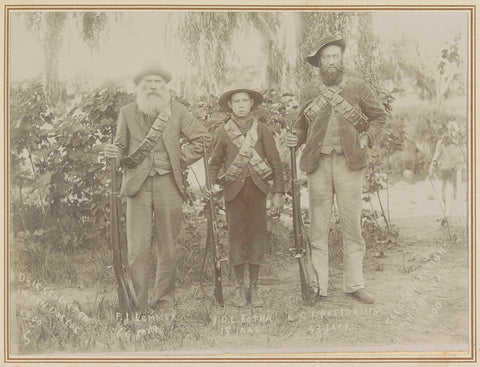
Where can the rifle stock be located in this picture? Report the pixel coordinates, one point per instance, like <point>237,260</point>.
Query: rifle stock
<point>302,249</point>
<point>127,299</point>
<point>213,241</point>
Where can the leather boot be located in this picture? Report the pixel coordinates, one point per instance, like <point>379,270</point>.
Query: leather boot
<point>254,298</point>
<point>239,298</point>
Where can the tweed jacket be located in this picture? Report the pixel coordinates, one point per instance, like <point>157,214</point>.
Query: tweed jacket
<point>132,129</point>
<point>224,151</point>
<point>361,97</point>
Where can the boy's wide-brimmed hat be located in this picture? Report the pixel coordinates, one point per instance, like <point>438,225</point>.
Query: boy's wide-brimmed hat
<point>153,69</point>
<point>225,97</point>
<point>327,40</point>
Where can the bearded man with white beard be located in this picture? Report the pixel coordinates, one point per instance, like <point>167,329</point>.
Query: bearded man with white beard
<point>339,118</point>
<point>147,144</point>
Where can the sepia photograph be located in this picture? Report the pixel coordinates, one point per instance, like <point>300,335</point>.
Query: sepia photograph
<point>256,183</point>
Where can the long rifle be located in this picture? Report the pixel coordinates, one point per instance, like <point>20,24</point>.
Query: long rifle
<point>127,298</point>
<point>302,250</point>
<point>213,241</point>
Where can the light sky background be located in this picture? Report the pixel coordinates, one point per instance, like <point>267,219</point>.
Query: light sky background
<point>140,36</point>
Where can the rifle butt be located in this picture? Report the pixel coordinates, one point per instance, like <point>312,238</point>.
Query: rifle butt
<point>307,294</point>
<point>218,292</point>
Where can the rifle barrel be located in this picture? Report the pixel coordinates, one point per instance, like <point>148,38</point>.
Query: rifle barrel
<point>213,230</point>
<point>296,210</point>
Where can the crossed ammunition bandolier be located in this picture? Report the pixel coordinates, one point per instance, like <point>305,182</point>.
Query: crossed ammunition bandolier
<point>246,153</point>
<point>329,97</point>
<point>146,146</point>
<point>245,145</point>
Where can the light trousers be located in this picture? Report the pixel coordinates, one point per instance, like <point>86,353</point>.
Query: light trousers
<point>158,202</point>
<point>334,177</point>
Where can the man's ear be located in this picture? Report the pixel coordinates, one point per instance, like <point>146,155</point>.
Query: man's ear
<point>229,103</point>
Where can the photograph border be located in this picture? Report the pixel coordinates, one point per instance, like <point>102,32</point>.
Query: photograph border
<point>269,357</point>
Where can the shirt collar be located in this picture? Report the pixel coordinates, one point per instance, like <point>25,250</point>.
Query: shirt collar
<point>243,125</point>
<point>334,88</point>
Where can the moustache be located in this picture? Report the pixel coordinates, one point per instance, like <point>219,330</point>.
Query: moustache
<point>332,74</point>
<point>331,69</point>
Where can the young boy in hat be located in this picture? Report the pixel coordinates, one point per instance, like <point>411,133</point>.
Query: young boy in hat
<point>247,150</point>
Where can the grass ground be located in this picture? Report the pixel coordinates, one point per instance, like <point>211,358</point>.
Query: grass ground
<point>420,286</point>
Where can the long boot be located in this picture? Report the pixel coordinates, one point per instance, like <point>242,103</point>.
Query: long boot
<point>253,296</point>
<point>239,298</point>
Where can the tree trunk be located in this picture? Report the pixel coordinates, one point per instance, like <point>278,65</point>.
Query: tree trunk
<point>52,44</point>
<point>310,28</point>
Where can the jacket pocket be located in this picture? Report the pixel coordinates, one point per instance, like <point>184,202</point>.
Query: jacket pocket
<point>310,159</point>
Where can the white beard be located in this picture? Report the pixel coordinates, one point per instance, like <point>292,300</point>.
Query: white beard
<point>152,104</point>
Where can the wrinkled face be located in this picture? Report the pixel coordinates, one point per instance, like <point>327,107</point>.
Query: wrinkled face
<point>152,94</point>
<point>330,58</point>
<point>241,104</point>
<point>152,84</point>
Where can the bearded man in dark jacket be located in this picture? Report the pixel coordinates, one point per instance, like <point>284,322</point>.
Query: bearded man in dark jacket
<point>339,118</point>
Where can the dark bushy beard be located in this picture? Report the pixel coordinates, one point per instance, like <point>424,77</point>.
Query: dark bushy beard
<point>332,77</point>
<point>152,103</point>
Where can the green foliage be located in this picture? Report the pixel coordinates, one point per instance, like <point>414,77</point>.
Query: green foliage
<point>60,160</point>
<point>30,118</point>
<point>366,61</point>
<point>377,238</point>
<point>78,187</point>
<point>92,24</point>
<point>73,180</point>
<point>66,170</point>
<point>49,27</point>
<point>209,38</point>
<point>391,139</point>
<point>268,26</point>
<point>424,124</point>
<point>437,74</point>
<point>313,26</point>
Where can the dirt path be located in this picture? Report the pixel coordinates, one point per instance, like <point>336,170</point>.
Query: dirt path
<point>420,287</point>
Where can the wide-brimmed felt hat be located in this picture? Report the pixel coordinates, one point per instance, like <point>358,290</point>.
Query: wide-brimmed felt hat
<point>225,97</point>
<point>153,69</point>
<point>327,40</point>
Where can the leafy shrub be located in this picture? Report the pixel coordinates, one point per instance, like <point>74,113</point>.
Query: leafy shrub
<point>58,169</point>
<point>424,125</point>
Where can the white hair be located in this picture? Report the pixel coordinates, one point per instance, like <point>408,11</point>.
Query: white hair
<point>152,103</point>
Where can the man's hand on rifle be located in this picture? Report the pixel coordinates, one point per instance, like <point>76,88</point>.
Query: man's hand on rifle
<point>207,194</point>
<point>290,140</point>
<point>276,206</point>
<point>112,151</point>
